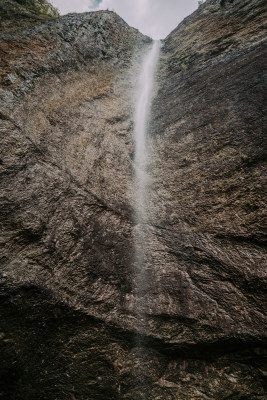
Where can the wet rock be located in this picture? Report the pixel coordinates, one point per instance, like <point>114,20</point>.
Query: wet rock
<point>68,301</point>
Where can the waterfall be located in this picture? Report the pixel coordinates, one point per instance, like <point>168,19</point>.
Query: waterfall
<point>143,103</point>
<point>142,114</point>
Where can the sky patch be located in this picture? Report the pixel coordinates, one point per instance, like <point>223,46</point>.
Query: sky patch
<point>155,18</point>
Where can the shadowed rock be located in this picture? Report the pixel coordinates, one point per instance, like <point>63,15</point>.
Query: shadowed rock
<point>68,305</point>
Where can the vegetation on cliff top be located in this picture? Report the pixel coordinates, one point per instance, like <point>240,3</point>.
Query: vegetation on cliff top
<point>19,14</point>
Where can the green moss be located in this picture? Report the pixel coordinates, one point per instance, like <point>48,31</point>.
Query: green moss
<point>41,7</point>
<point>186,158</point>
<point>26,24</point>
<point>244,157</point>
<point>192,29</point>
<point>21,14</point>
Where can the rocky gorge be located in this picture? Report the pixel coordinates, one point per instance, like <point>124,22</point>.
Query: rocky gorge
<point>70,328</point>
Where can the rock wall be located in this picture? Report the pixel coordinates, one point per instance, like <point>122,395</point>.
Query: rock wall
<point>207,163</point>
<point>19,14</point>
<point>68,293</point>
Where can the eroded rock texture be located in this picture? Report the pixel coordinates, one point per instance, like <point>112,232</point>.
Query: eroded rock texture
<point>69,325</point>
<point>19,14</point>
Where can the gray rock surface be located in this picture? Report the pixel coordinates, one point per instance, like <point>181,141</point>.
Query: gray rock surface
<point>19,14</point>
<point>70,329</point>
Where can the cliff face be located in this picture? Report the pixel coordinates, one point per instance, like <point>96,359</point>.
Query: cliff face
<point>207,166</point>
<point>19,14</point>
<point>70,328</point>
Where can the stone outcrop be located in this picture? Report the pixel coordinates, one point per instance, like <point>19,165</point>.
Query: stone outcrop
<point>19,14</point>
<point>70,329</point>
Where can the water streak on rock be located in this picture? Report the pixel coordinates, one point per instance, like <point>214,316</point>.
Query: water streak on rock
<point>142,114</point>
<point>143,103</point>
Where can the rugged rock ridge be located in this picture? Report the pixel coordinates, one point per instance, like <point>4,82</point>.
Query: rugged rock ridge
<point>68,293</point>
<point>19,14</point>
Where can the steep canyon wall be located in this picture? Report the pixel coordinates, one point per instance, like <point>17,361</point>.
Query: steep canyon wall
<point>68,303</point>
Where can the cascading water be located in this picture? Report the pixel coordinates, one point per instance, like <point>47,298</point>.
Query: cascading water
<point>142,114</point>
<point>143,103</point>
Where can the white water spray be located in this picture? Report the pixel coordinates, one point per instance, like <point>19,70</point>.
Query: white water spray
<point>142,116</point>
<point>143,105</point>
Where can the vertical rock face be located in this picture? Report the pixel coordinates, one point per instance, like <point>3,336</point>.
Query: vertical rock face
<point>207,166</point>
<point>69,328</point>
<point>67,97</point>
<point>207,201</point>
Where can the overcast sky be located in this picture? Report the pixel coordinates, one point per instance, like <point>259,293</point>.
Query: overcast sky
<point>156,18</point>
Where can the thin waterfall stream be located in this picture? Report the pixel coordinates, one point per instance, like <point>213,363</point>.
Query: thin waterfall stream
<point>142,117</point>
<point>142,114</point>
